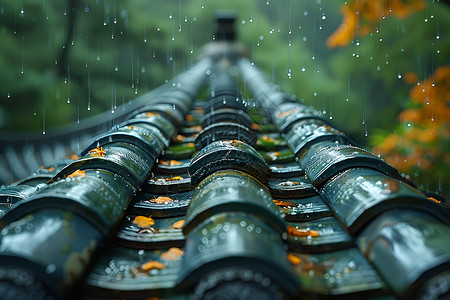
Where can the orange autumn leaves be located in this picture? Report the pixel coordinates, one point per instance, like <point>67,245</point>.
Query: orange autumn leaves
<point>425,127</point>
<point>360,17</point>
<point>433,96</point>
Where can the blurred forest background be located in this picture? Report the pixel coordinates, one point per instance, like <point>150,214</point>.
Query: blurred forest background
<point>378,69</point>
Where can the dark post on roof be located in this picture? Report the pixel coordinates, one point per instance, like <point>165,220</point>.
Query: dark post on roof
<point>224,26</point>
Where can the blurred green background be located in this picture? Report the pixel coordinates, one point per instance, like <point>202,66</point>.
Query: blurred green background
<point>63,61</point>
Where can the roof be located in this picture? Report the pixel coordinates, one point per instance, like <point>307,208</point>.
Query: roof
<point>222,197</point>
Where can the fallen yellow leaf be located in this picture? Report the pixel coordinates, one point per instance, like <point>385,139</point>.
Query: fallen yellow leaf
<point>152,264</point>
<point>143,222</point>
<point>172,254</point>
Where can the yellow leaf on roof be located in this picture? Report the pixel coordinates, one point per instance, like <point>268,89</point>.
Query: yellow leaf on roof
<point>294,259</point>
<point>172,254</point>
<point>152,264</point>
<point>143,222</point>
<point>161,200</point>
<point>77,173</point>
<point>178,224</point>
<point>302,232</point>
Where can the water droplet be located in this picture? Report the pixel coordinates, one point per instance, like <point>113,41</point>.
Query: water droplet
<point>381,39</point>
<point>303,69</point>
<point>426,20</point>
<point>399,75</point>
<point>409,124</point>
<point>251,20</point>
<point>346,99</point>
<point>437,37</point>
<point>324,17</point>
<point>179,28</point>
<point>50,268</point>
<point>170,16</point>
<point>116,68</point>
<point>9,95</point>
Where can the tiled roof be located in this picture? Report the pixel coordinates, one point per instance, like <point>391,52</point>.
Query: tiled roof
<point>222,197</point>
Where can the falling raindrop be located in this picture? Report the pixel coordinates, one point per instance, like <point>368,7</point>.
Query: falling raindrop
<point>9,95</point>
<point>89,90</point>
<point>303,69</point>
<point>68,84</point>
<point>399,76</point>
<point>21,70</point>
<point>98,51</point>
<point>43,120</point>
<point>78,105</point>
